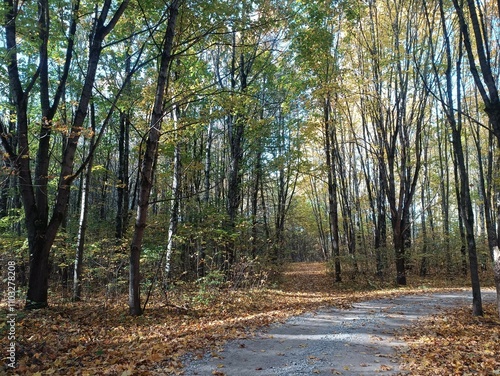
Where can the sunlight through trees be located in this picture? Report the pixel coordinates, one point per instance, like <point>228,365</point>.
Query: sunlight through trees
<point>147,145</point>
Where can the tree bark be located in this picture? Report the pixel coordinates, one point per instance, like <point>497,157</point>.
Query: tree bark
<point>235,133</point>
<point>176,197</point>
<point>486,84</point>
<point>149,161</point>
<point>123,189</point>
<point>41,230</point>
<point>332,190</point>
<point>464,198</point>
<point>255,200</point>
<point>444,187</point>
<point>82,225</point>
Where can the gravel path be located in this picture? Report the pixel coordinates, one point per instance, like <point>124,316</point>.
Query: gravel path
<point>330,341</point>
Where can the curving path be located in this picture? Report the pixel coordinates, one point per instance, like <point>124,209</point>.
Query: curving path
<point>330,341</point>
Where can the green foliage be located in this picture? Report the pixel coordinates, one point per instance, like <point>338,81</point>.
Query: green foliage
<point>294,55</point>
<point>15,216</point>
<point>209,287</point>
<point>13,246</point>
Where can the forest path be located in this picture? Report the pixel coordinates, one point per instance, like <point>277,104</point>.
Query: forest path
<point>331,341</point>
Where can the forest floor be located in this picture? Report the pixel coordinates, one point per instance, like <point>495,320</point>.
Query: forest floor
<point>97,337</point>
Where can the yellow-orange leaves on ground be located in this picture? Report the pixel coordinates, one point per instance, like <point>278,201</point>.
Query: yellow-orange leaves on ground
<point>97,337</point>
<point>455,343</point>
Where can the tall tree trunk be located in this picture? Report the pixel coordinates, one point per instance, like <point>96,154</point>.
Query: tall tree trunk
<point>399,249</point>
<point>201,257</point>
<point>82,224</point>
<point>486,199</point>
<point>461,227</point>
<point>332,189</point>
<point>464,199</point>
<point>317,208</point>
<point>41,230</point>
<point>467,215</point>
<point>103,209</point>
<point>444,187</point>
<point>235,134</point>
<point>149,161</point>
<point>123,189</point>
<point>255,201</point>
<point>346,206</point>
<point>176,197</point>
<point>401,131</point>
<point>424,259</point>
<point>476,40</point>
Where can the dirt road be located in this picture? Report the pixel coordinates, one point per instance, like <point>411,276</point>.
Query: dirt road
<point>358,341</point>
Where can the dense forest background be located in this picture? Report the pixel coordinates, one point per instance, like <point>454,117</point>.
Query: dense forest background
<point>151,143</point>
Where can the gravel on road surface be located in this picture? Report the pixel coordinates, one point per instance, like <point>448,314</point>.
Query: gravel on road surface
<point>357,341</point>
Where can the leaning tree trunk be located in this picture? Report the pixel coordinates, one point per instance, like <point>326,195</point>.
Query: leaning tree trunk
<point>149,163</point>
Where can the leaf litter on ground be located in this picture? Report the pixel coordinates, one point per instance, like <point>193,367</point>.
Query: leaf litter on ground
<point>454,343</point>
<point>97,337</point>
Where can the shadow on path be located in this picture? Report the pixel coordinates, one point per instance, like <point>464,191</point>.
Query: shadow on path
<point>330,341</point>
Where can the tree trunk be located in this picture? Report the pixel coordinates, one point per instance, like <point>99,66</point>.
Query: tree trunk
<point>201,256</point>
<point>346,205</point>
<point>4,194</point>
<point>444,187</point>
<point>464,197</point>
<point>123,189</point>
<point>332,190</point>
<point>9,183</point>
<point>399,249</point>
<point>41,231</point>
<point>176,197</point>
<point>486,83</point>
<point>235,133</point>
<point>381,226</point>
<point>316,204</point>
<point>149,161</point>
<point>466,211</point>
<point>424,259</point>
<point>255,201</point>
<point>82,225</point>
